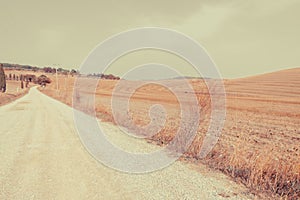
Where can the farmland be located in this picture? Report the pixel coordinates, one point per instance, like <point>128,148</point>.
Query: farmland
<point>259,145</point>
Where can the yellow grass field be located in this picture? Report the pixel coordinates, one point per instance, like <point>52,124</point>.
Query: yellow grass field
<point>259,145</point>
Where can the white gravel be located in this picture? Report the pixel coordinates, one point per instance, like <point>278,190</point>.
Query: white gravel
<point>43,158</point>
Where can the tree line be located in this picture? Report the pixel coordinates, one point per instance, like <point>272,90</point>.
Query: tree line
<point>24,79</point>
<point>39,69</point>
<point>104,76</point>
<point>42,80</point>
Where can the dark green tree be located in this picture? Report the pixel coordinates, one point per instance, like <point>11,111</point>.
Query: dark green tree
<point>43,80</point>
<point>2,79</point>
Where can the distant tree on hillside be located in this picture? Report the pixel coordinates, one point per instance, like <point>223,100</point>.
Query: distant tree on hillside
<point>2,79</point>
<point>49,70</point>
<point>73,72</point>
<point>35,69</point>
<point>43,80</point>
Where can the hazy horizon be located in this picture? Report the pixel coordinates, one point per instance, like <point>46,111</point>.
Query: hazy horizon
<point>243,38</point>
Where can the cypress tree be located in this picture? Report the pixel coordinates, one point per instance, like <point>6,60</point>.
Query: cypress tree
<point>2,79</point>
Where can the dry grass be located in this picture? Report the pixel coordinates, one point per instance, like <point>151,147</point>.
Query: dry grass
<point>259,145</point>
<point>13,89</point>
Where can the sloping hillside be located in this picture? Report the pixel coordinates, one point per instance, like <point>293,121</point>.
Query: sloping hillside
<point>259,145</point>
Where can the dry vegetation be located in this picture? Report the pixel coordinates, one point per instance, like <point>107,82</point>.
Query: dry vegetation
<point>259,145</point>
<point>13,88</point>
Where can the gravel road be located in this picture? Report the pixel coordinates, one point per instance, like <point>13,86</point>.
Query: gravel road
<point>43,158</point>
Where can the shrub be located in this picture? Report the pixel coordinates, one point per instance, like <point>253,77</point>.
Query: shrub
<point>43,80</point>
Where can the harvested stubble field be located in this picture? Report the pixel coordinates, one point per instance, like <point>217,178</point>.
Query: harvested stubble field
<point>259,145</point>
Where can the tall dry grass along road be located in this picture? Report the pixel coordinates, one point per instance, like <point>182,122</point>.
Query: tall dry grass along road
<point>43,158</point>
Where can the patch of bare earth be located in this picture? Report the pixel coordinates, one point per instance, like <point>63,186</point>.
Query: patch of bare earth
<point>13,92</point>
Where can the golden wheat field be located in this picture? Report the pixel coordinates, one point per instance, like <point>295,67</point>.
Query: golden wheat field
<point>259,144</point>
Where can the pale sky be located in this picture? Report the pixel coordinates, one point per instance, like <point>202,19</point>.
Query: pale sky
<point>243,37</point>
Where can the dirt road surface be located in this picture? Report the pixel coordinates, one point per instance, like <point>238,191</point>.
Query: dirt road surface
<point>43,158</point>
